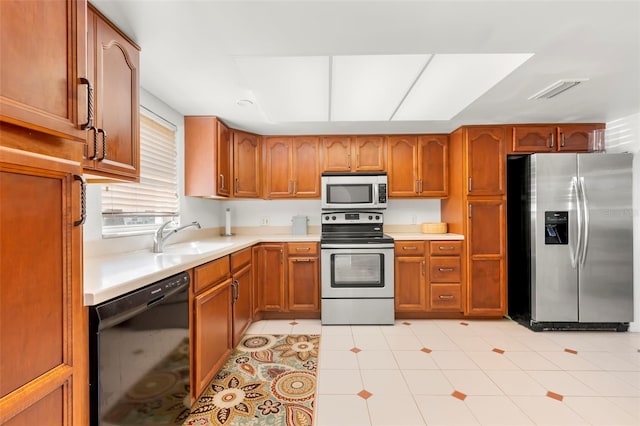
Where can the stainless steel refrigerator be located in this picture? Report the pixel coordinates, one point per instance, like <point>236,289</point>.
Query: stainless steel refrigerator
<point>570,239</point>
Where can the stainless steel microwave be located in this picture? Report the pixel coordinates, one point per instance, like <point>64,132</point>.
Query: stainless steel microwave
<point>354,190</point>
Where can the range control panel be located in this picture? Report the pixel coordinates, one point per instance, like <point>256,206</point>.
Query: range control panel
<point>350,217</point>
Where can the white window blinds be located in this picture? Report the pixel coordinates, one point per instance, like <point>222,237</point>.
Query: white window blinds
<point>136,208</point>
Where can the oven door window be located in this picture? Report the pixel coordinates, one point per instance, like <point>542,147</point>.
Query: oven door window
<point>357,270</point>
<point>350,193</point>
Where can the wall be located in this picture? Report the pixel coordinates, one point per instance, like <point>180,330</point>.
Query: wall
<point>623,135</point>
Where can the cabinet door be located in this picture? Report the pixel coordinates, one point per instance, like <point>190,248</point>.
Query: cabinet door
<point>43,53</point>
<point>115,146</point>
<point>278,168</point>
<point>336,154</point>
<point>304,283</point>
<point>433,165</point>
<point>242,309</point>
<point>486,161</point>
<point>43,323</point>
<point>306,167</point>
<point>575,137</point>
<point>410,282</point>
<point>212,334</point>
<point>246,165</point>
<point>534,139</point>
<point>486,294</point>
<point>270,276</point>
<point>369,153</point>
<point>222,173</point>
<point>402,160</point>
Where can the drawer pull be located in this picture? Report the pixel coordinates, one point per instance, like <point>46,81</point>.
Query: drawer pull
<point>409,248</point>
<point>446,248</point>
<point>303,248</point>
<point>305,260</point>
<point>446,296</point>
<point>446,269</point>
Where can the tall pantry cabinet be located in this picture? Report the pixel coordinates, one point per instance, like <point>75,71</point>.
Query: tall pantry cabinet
<point>476,207</point>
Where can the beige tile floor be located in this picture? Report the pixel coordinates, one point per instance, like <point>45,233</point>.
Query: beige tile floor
<point>452,372</point>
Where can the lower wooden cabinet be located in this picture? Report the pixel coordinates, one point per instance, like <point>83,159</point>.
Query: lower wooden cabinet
<point>303,266</point>
<point>242,279</point>
<point>269,277</point>
<point>428,276</point>
<point>212,330</point>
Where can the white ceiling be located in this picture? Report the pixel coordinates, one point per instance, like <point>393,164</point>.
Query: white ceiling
<point>193,53</point>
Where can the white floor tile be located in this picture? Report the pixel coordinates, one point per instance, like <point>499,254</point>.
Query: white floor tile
<point>371,342</point>
<point>630,405</point>
<point>436,340</point>
<point>415,360</point>
<point>376,360</point>
<point>561,382</point>
<point>453,360</point>
<point>608,361</point>
<point>600,411</point>
<point>472,382</point>
<point>530,361</point>
<point>394,410</point>
<point>366,330</point>
<point>546,411</point>
<point>496,410</point>
<point>538,342</point>
<point>339,382</point>
<point>332,330</point>
<point>472,343</point>
<point>384,382</point>
<point>445,411</point>
<point>336,342</point>
<point>403,343</point>
<point>631,377</point>
<point>341,410</point>
<point>489,360</point>
<point>337,360</point>
<point>516,383</point>
<point>569,361</point>
<point>427,382</point>
<point>606,384</point>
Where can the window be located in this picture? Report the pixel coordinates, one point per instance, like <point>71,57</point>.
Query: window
<point>139,208</point>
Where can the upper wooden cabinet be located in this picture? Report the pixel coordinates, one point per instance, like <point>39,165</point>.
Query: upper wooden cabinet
<point>43,54</point>
<point>292,167</point>
<point>485,160</point>
<point>418,166</point>
<point>246,165</point>
<point>552,138</point>
<point>353,153</point>
<point>207,157</point>
<point>113,142</point>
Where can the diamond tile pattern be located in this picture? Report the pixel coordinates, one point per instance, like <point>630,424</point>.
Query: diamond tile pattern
<point>484,372</point>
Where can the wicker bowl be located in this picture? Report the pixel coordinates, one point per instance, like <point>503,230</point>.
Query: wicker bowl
<point>434,228</point>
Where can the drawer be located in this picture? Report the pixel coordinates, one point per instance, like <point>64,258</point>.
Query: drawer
<point>211,273</point>
<point>240,259</point>
<point>444,269</point>
<point>445,248</point>
<point>409,248</point>
<point>446,297</point>
<point>302,249</point>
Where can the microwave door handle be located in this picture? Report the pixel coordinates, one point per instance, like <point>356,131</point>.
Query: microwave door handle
<point>375,194</point>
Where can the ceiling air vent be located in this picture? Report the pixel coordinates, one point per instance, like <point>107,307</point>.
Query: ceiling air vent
<point>557,88</point>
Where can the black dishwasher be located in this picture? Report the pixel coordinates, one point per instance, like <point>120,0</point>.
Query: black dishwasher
<point>139,356</point>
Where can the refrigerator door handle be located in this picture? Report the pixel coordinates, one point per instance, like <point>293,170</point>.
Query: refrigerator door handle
<point>585,213</point>
<point>575,254</point>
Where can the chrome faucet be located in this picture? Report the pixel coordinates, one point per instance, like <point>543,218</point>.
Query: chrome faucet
<point>160,237</point>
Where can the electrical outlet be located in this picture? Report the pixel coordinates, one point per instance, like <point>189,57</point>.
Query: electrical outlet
<point>414,219</point>
<point>264,221</point>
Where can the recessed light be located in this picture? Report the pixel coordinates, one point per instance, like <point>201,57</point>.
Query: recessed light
<point>244,102</point>
<point>557,88</point>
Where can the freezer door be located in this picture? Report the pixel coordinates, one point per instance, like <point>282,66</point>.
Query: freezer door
<point>606,270</point>
<point>554,274</point>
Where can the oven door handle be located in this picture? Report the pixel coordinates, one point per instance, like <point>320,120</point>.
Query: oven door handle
<point>356,246</point>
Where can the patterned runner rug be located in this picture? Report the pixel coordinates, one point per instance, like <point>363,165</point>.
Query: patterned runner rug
<point>268,381</point>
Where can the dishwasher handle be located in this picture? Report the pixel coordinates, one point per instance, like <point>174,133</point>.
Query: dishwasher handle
<point>120,309</point>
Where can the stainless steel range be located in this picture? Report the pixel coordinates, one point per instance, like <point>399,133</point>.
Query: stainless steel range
<point>357,272</point>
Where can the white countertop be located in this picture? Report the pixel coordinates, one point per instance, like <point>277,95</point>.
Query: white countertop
<point>110,276</point>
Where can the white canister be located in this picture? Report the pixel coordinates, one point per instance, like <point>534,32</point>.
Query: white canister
<point>299,225</point>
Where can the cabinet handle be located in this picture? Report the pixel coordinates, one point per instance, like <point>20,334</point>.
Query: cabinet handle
<point>420,186</point>
<point>446,296</point>
<point>237,185</point>
<point>235,291</point>
<point>221,181</point>
<point>83,200</point>
<point>295,184</point>
<point>446,247</point>
<point>289,187</point>
<point>303,248</point>
<point>281,256</point>
<point>104,144</point>
<point>409,248</point>
<point>95,143</point>
<point>89,124</point>
<point>553,140</point>
<point>424,267</point>
<point>303,260</point>
<point>469,184</point>
<point>470,211</point>
<point>349,161</point>
<point>417,186</point>
<point>357,161</point>
<point>446,269</point>
<point>562,139</point>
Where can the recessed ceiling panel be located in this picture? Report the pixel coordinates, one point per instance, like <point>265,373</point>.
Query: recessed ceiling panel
<point>453,81</point>
<point>289,89</point>
<point>370,87</point>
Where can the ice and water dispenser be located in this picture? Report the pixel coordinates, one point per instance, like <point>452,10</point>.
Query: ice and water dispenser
<point>556,227</point>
